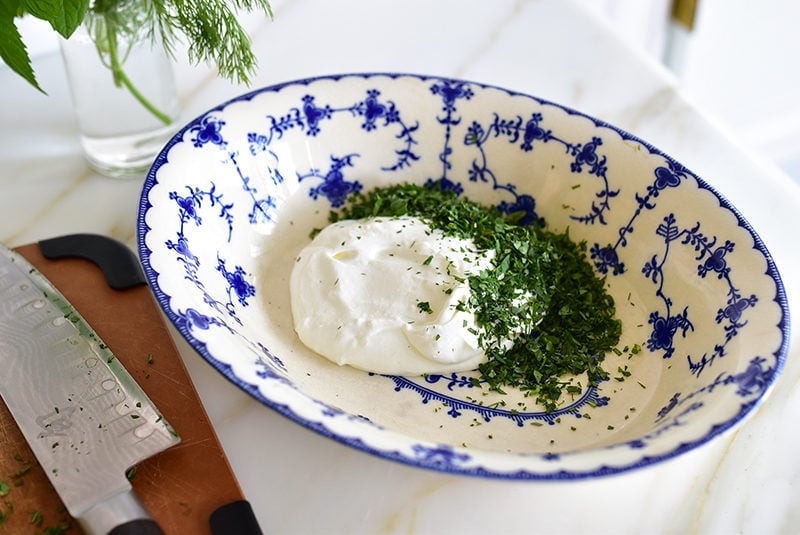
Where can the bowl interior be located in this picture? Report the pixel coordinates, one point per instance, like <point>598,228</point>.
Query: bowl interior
<point>233,198</point>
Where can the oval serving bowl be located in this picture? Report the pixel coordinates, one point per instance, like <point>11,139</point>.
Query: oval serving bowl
<point>232,198</point>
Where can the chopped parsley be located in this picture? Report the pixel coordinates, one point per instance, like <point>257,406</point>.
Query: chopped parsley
<point>36,518</point>
<point>424,306</point>
<point>541,293</point>
<point>130,473</point>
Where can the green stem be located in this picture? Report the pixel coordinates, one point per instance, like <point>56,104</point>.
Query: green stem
<point>121,78</point>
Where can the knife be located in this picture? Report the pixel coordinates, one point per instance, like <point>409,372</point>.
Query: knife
<point>84,417</point>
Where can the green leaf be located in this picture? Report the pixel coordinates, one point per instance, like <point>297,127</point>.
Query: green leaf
<point>12,49</point>
<point>63,15</point>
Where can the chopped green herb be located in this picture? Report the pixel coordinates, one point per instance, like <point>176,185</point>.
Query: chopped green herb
<point>58,529</point>
<point>22,471</point>
<point>623,373</point>
<point>542,292</point>
<point>4,488</point>
<point>425,307</point>
<point>36,518</point>
<point>130,474</point>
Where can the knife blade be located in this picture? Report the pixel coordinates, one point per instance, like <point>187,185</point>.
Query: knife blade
<point>84,417</point>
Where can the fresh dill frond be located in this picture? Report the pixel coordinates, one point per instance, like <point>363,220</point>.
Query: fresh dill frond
<point>212,30</point>
<point>209,29</point>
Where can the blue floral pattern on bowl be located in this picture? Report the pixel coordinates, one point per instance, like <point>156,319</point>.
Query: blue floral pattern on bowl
<point>234,195</point>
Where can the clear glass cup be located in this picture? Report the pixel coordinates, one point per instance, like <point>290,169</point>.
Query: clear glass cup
<point>125,118</point>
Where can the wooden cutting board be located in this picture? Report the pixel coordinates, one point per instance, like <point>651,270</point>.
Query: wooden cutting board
<point>180,486</point>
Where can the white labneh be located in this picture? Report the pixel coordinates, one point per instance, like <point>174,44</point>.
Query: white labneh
<point>382,295</point>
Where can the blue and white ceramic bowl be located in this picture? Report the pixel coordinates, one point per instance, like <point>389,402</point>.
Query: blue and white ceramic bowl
<point>232,198</point>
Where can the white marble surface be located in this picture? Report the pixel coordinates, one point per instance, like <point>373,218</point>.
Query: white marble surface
<point>747,481</point>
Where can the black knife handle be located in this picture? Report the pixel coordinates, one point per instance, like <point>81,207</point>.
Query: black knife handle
<point>234,518</point>
<point>119,264</point>
<point>137,527</point>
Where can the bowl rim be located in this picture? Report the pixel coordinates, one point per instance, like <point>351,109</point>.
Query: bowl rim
<point>780,354</point>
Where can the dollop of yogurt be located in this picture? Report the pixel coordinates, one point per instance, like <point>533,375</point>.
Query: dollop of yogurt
<point>383,294</point>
